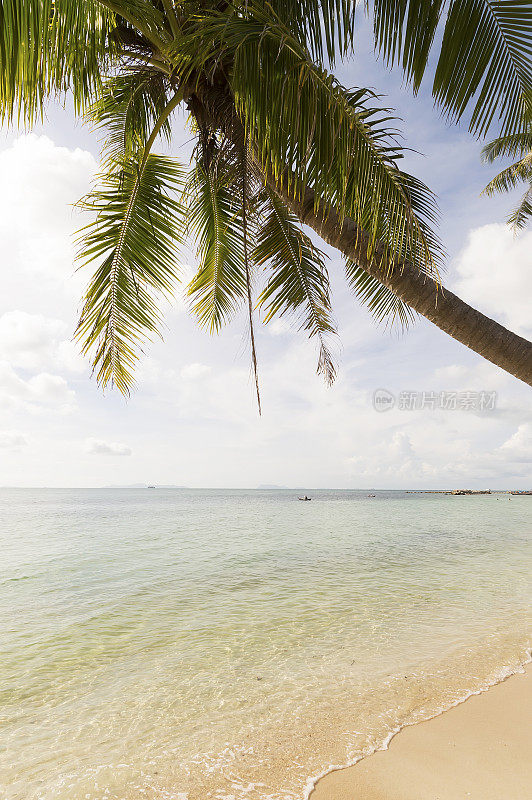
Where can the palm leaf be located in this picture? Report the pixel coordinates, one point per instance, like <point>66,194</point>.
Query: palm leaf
<point>511,176</point>
<point>384,304</point>
<point>510,146</point>
<point>484,65</point>
<point>48,47</point>
<point>134,235</point>
<point>404,32</point>
<point>308,131</point>
<point>127,108</point>
<point>326,27</point>
<point>214,213</point>
<point>246,209</point>
<point>298,281</point>
<point>519,218</point>
<point>143,16</point>
<point>486,60</point>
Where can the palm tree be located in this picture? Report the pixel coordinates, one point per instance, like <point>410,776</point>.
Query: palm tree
<point>517,145</point>
<point>278,142</point>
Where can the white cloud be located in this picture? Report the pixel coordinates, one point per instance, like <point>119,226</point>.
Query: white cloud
<point>39,183</point>
<point>40,391</point>
<point>191,372</point>
<point>314,435</point>
<point>12,439</point>
<point>519,446</point>
<point>36,342</point>
<point>100,448</point>
<point>279,327</point>
<point>495,275</point>
<point>51,389</point>
<point>441,450</point>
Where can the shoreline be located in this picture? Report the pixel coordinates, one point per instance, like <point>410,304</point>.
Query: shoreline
<point>480,741</point>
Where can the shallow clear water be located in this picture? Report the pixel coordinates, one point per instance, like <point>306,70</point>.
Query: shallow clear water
<point>233,644</point>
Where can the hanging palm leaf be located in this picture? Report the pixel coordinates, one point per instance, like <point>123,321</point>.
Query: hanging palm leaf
<point>128,108</point>
<point>385,306</point>
<point>512,176</point>
<point>214,208</point>
<point>484,66</point>
<point>49,47</point>
<point>298,281</point>
<point>133,235</point>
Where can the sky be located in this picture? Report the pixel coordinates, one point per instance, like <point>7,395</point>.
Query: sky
<point>192,419</point>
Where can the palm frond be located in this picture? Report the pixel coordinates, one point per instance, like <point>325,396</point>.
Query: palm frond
<point>137,224</point>
<point>308,131</point>
<point>515,144</point>
<point>48,47</point>
<point>510,177</point>
<point>424,209</point>
<point>127,108</point>
<point>385,306</point>
<point>298,281</point>
<point>326,27</point>
<point>519,218</point>
<point>484,65</point>
<point>486,61</point>
<point>404,32</point>
<point>246,192</point>
<point>214,213</point>
<point>143,16</point>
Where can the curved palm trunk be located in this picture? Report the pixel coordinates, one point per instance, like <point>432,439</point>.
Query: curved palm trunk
<point>464,323</point>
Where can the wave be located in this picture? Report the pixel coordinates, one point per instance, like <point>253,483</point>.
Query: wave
<point>503,675</point>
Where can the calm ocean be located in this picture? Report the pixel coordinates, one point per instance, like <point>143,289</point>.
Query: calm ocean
<point>232,645</point>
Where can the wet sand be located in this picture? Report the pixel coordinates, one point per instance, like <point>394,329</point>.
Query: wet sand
<point>479,750</point>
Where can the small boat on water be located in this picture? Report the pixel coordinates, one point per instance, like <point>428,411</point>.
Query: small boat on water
<point>305,498</point>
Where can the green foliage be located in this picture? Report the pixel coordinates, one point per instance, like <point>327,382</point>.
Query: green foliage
<point>132,238</point>
<point>522,214</point>
<point>214,214</point>
<point>404,33</point>
<point>327,27</point>
<point>385,306</point>
<point>127,109</point>
<point>269,115</point>
<point>48,47</point>
<point>484,64</point>
<point>486,60</point>
<point>515,144</point>
<point>307,130</point>
<point>512,176</point>
<point>298,280</point>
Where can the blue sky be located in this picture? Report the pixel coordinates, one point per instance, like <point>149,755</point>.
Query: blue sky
<point>192,420</point>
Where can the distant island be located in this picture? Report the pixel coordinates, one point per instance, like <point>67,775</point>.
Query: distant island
<point>144,486</point>
<point>468,491</point>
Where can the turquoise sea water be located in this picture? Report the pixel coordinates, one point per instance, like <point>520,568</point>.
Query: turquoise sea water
<point>230,644</point>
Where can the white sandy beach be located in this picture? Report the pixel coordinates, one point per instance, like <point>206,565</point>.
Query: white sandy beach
<point>479,750</point>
